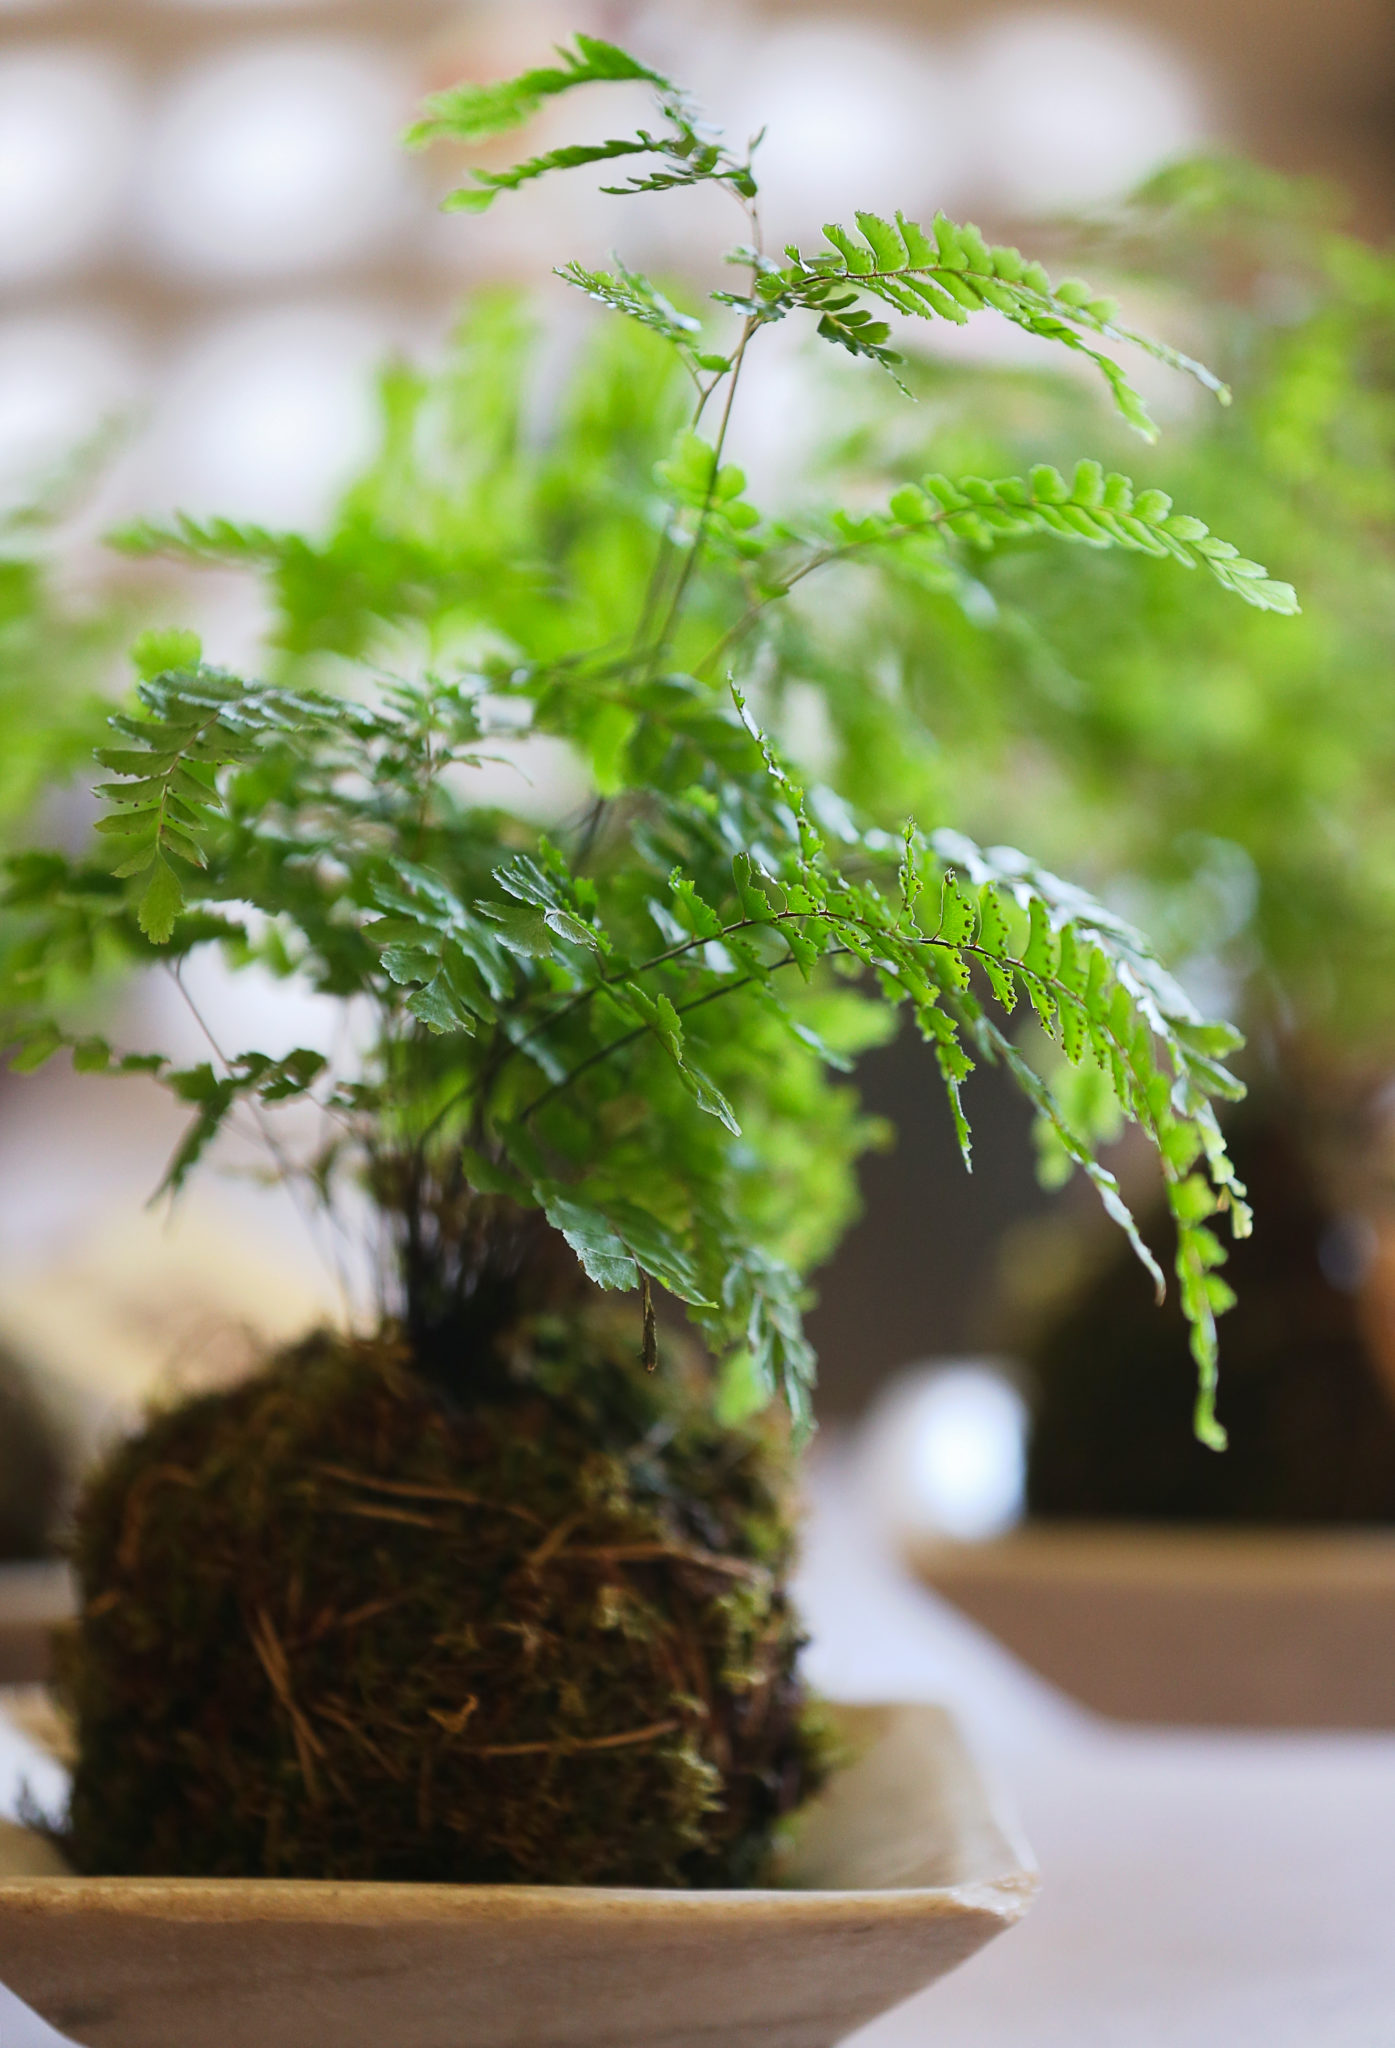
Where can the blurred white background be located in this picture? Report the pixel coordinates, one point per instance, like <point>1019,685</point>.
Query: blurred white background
<point>207,226</point>
<point>206,222</point>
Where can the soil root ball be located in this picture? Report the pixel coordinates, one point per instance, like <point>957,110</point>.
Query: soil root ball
<point>334,1627</point>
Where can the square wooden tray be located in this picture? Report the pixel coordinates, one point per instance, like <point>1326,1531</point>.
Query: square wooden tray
<point>899,1872</point>
<point>1258,1628</point>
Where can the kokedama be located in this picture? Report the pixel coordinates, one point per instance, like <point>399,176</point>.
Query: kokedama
<point>496,1590</point>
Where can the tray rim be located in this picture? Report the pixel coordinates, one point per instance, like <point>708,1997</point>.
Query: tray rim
<point>1192,1556</point>
<point>1281,1628</point>
<point>1005,1893</point>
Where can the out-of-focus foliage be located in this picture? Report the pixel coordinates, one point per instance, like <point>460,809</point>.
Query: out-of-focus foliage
<point>600,1021</point>
<point>59,654</point>
<point>485,519</point>
<point>1227,778</point>
<point>55,652</point>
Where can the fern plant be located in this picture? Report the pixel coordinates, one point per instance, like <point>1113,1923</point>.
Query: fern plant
<point>1227,771</point>
<point>626,1022</point>
<point>1223,772</point>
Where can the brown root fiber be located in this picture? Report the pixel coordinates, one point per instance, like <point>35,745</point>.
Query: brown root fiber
<point>334,1627</point>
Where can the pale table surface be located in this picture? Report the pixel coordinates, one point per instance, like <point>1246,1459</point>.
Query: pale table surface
<point>1200,1890</point>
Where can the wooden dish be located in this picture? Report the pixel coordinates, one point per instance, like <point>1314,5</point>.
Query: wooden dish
<point>899,1872</point>
<point>1258,1628</point>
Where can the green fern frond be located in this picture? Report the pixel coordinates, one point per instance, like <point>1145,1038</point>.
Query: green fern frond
<point>472,113</point>
<point>209,543</point>
<point>947,275</point>
<point>480,196</point>
<point>637,297</point>
<point>1094,509</point>
<point>166,798</point>
<point>691,153</point>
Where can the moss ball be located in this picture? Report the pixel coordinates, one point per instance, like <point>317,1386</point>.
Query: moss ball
<point>335,1627</point>
<point>1303,1397</point>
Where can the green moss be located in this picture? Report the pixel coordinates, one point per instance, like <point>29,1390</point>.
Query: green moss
<point>335,1626</point>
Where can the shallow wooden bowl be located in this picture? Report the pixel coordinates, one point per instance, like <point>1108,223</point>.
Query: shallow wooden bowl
<point>1259,1628</point>
<point>898,1873</point>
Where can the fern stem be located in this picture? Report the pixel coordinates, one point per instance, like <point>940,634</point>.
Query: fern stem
<point>690,563</point>
<point>603,1052</point>
<point>290,1178</point>
<point>594,1058</point>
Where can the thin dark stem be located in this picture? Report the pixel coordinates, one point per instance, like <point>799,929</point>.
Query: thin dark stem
<point>819,561</point>
<point>730,987</point>
<point>590,831</point>
<point>578,1000</point>
<point>424,799</point>
<point>583,996</point>
<point>290,1177</point>
<point>695,548</point>
<point>604,1052</point>
<point>665,551</point>
<point>663,555</point>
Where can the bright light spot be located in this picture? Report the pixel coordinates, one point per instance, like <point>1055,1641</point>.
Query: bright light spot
<point>269,417</point>
<point>945,1452</point>
<point>59,379</point>
<point>279,156</point>
<point>536,777</point>
<point>65,133</point>
<point>854,117</point>
<point>1068,109</point>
